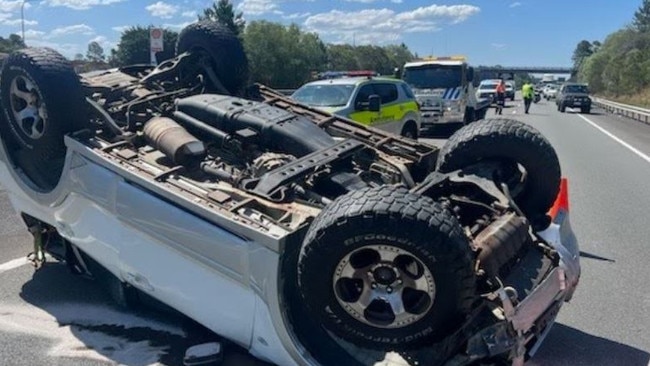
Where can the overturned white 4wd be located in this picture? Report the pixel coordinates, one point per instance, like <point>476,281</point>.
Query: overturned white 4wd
<point>302,236</point>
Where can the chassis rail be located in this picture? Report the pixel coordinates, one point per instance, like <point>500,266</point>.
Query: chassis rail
<point>417,153</point>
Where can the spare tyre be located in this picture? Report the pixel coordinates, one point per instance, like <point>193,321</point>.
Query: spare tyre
<point>510,142</point>
<point>376,285</point>
<point>217,47</point>
<point>42,100</point>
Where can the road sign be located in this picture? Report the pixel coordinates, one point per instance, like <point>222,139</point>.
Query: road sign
<point>156,40</point>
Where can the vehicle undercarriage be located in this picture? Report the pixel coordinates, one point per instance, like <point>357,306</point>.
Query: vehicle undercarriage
<point>382,243</point>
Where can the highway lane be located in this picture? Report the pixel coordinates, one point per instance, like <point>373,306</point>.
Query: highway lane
<point>607,322</point>
<point>43,322</point>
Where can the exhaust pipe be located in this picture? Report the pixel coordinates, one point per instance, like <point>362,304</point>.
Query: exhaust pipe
<point>174,141</point>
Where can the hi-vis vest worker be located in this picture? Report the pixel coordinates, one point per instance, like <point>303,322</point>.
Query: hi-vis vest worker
<point>384,103</point>
<point>527,91</point>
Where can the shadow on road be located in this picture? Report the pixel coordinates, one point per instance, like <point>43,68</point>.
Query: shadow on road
<point>566,346</point>
<point>81,316</point>
<point>442,131</point>
<point>596,257</point>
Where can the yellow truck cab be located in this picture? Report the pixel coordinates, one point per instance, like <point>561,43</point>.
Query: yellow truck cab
<point>385,103</point>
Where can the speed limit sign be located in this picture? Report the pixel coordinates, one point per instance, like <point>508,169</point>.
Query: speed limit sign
<point>156,39</point>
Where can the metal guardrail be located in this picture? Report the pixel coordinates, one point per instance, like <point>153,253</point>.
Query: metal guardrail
<point>629,111</point>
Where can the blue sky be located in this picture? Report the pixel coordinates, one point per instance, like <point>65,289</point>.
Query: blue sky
<point>488,32</point>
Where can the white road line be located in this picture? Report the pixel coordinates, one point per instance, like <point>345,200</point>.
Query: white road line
<point>12,264</point>
<point>613,137</point>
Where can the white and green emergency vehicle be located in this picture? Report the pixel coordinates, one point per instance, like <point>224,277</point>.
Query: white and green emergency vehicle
<point>385,103</point>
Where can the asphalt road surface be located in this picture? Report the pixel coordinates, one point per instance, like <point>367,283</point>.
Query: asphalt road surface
<point>50,317</point>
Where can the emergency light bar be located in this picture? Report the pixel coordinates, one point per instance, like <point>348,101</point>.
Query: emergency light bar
<point>445,58</point>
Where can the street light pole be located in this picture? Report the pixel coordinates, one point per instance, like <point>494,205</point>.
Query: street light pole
<point>22,19</point>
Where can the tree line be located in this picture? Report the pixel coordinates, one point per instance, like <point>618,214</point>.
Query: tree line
<point>282,56</point>
<point>620,65</point>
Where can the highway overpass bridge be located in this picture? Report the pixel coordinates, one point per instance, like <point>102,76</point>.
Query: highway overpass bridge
<point>526,69</point>
<point>509,72</point>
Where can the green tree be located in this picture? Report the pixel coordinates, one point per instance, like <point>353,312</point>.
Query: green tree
<point>641,21</point>
<point>95,52</point>
<point>613,75</point>
<point>13,43</point>
<point>399,55</point>
<point>133,47</point>
<point>282,56</point>
<point>341,57</point>
<point>595,46</point>
<point>79,57</point>
<point>222,12</point>
<point>582,51</point>
<point>374,58</point>
<point>632,75</point>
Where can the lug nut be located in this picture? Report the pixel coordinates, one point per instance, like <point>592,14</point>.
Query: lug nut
<point>389,289</point>
<point>373,285</point>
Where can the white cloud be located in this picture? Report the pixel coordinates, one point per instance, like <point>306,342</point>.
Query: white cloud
<point>373,1</point>
<point>17,22</point>
<point>296,15</point>
<point>6,19</point>
<point>31,33</point>
<point>71,29</point>
<point>162,9</point>
<point>257,7</point>
<point>499,45</point>
<point>80,4</point>
<point>12,5</point>
<point>515,4</point>
<point>385,25</point>
<point>121,28</point>
<point>104,42</point>
<point>66,49</point>
<point>177,26</point>
<point>452,13</point>
<point>189,14</point>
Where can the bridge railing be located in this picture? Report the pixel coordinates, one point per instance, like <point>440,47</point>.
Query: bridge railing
<point>629,111</point>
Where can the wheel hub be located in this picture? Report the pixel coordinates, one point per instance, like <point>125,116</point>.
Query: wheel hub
<point>384,286</point>
<point>384,275</point>
<point>27,108</point>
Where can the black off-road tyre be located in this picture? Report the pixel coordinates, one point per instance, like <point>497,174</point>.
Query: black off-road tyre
<point>223,47</point>
<point>410,130</point>
<point>388,216</point>
<point>508,141</point>
<point>470,115</point>
<point>50,79</point>
<point>585,110</point>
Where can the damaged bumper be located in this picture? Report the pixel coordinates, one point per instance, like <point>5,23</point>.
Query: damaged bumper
<point>522,322</point>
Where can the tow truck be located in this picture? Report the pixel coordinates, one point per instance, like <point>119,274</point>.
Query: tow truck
<point>444,89</point>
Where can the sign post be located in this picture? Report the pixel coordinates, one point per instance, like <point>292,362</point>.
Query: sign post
<point>156,43</point>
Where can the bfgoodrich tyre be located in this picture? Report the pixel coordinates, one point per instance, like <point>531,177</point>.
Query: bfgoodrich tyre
<point>221,49</point>
<point>508,141</point>
<point>373,283</point>
<point>42,100</point>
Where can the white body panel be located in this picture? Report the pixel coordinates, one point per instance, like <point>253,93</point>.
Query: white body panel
<point>239,303</point>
